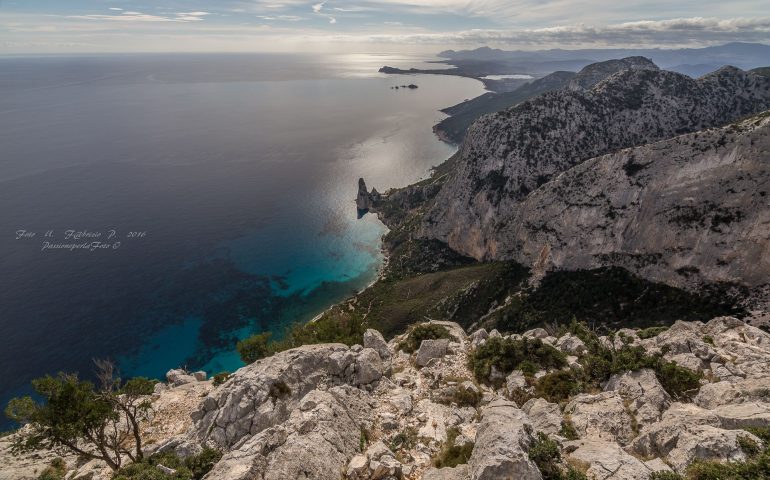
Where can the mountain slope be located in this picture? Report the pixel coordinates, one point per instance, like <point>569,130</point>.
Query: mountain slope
<point>686,211</point>
<point>507,155</point>
<point>464,114</point>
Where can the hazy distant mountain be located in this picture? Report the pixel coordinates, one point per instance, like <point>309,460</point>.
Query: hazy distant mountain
<point>743,55</point>
<point>453,129</point>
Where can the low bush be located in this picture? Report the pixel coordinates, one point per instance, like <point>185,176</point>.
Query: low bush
<point>221,378</point>
<point>255,347</point>
<point>405,439</point>
<point>665,476</point>
<point>191,468</point>
<point>650,332</point>
<point>55,471</point>
<point>138,386</point>
<point>507,355</point>
<point>452,455</point>
<point>545,453</point>
<point>461,396</point>
<point>558,386</point>
<point>420,332</point>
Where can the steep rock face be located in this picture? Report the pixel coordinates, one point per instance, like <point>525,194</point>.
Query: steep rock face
<point>690,210</point>
<point>265,393</point>
<point>507,155</point>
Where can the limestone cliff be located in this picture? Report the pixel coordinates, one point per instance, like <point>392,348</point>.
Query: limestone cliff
<point>509,156</point>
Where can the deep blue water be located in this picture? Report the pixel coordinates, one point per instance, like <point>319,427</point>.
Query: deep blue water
<point>242,171</point>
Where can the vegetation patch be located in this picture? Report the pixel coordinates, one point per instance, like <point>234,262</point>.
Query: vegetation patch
<point>507,355</point>
<point>191,468</point>
<point>610,297</point>
<point>451,454</point>
<point>55,471</point>
<point>221,378</point>
<point>404,440</point>
<point>545,453</point>
<point>423,331</point>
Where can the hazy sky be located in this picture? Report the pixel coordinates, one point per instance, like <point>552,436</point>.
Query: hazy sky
<point>371,25</point>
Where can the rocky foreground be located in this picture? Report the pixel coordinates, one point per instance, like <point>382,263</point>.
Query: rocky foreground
<point>374,412</point>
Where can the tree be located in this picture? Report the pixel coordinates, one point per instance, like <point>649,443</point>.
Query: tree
<point>96,423</point>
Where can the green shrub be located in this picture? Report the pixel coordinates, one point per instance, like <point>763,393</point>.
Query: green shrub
<point>749,446</point>
<point>708,339</point>
<point>221,378</point>
<point>545,453</point>
<point>139,386</point>
<point>681,383</point>
<point>406,439</point>
<point>452,455</point>
<point>463,397</point>
<point>202,463</point>
<point>568,430</point>
<point>763,433</point>
<point>507,355</point>
<point>601,362</point>
<point>650,332</point>
<point>665,476</point>
<point>55,471</point>
<point>558,386</point>
<point>255,347</point>
<point>420,332</point>
<point>191,468</point>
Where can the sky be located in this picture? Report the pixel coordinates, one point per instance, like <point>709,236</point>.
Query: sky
<point>409,26</point>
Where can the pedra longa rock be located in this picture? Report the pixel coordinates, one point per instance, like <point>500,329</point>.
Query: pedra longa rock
<point>366,201</point>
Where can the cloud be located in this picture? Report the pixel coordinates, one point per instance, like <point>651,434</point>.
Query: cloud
<point>676,32</point>
<point>131,16</point>
<point>317,10</point>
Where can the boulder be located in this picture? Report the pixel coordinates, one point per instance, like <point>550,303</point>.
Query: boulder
<point>660,438</point>
<point>704,442</point>
<point>459,472</point>
<point>601,417</point>
<point>743,415</point>
<point>368,366</point>
<point>571,344</point>
<point>374,340</point>
<point>312,443</point>
<point>545,416</point>
<point>382,462</point>
<point>502,441</point>
<point>645,397</point>
<point>607,460</point>
<point>715,394</point>
<point>177,377</point>
<point>358,468</point>
<point>540,333</point>
<point>478,338</point>
<point>200,376</point>
<point>430,349</point>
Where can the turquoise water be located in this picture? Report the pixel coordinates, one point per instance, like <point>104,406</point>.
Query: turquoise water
<point>242,171</point>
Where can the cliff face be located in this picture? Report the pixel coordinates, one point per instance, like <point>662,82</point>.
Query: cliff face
<point>684,211</point>
<point>508,155</point>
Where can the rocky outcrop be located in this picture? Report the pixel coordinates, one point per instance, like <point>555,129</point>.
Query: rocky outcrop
<point>607,460</point>
<point>332,411</point>
<point>265,393</point>
<point>366,201</point>
<point>594,73</point>
<point>502,442</point>
<point>314,442</point>
<point>641,208</point>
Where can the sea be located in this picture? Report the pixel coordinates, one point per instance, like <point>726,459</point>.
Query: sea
<point>154,209</point>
